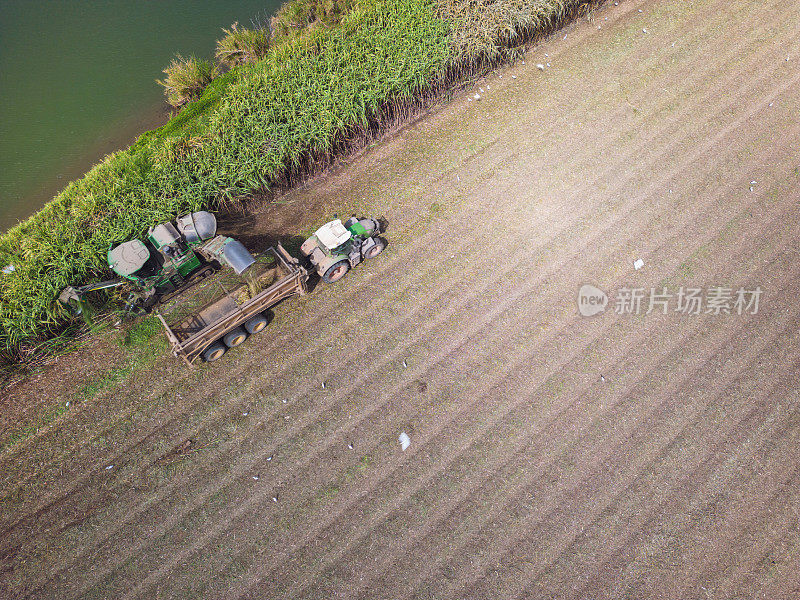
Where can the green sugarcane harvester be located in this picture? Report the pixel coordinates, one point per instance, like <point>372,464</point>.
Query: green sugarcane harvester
<point>170,259</point>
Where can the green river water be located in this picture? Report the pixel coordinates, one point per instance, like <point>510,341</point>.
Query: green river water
<point>77,81</point>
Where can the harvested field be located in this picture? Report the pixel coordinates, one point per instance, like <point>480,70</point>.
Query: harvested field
<point>552,455</point>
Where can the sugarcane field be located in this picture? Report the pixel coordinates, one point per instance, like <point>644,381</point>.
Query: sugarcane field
<point>381,312</point>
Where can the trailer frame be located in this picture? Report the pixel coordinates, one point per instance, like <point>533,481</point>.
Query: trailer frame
<point>294,282</point>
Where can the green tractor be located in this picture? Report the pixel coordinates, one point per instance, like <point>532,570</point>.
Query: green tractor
<point>169,260</point>
<point>336,247</point>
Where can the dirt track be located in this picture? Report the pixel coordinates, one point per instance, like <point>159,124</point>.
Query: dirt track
<point>552,455</point>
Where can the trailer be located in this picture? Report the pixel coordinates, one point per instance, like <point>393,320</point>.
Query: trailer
<point>224,311</point>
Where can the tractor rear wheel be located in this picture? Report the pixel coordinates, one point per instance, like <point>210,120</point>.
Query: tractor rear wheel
<point>336,272</point>
<point>255,324</point>
<point>235,337</point>
<point>214,352</point>
<point>376,249</point>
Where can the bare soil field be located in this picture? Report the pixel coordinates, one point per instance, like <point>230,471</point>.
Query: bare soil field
<point>552,455</point>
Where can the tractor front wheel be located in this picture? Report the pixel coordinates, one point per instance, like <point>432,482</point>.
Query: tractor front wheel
<point>336,272</point>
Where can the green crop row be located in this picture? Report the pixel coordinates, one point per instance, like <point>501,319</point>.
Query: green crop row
<point>262,122</point>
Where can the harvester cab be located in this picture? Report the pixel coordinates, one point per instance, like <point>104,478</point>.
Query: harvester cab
<point>336,247</point>
<point>168,260</point>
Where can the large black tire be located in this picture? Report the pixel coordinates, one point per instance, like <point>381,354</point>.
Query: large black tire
<point>336,272</point>
<point>214,352</point>
<point>235,337</point>
<point>376,249</point>
<point>256,324</point>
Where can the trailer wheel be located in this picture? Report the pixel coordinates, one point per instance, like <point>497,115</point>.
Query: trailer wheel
<point>255,324</point>
<point>235,337</point>
<point>336,272</point>
<point>376,249</point>
<point>214,352</point>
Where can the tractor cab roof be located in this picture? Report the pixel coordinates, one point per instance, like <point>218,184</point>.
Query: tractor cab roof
<point>333,234</point>
<point>126,259</point>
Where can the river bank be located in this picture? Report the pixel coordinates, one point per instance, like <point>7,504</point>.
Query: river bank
<point>74,165</point>
<point>86,86</point>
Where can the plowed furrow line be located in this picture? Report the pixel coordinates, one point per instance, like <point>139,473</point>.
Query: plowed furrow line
<point>675,489</point>
<point>174,500</point>
<point>658,543</point>
<point>744,527</point>
<point>110,461</point>
<point>540,529</point>
<point>687,496</point>
<point>780,567</point>
<point>559,419</point>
